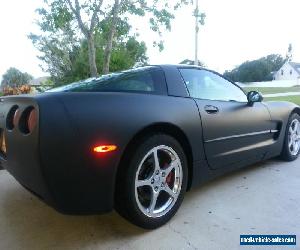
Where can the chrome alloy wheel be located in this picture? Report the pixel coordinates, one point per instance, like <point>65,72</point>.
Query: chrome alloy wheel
<point>294,137</point>
<point>158,181</point>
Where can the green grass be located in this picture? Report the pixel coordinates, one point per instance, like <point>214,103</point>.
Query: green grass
<point>276,90</point>
<point>294,99</point>
<point>273,90</point>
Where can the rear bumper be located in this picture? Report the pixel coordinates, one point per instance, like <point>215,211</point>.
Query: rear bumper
<point>57,165</point>
<point>76,195</point>
<point>74,187</point>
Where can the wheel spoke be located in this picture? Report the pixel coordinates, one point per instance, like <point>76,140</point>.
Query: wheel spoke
<point>290,142</point>
<point>156,160</point>
<point>142,183</point>
<point>170,191</point>
<point>153,201</point>
<point>169,169</point>
<point>298,129</point>
<point>295,147</point>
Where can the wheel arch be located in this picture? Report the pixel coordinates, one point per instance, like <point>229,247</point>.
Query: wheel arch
<point>165,128</point>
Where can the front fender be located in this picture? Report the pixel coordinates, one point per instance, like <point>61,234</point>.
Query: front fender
<point>280,113</point>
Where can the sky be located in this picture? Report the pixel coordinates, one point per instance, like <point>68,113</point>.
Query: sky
<point>235,31</point>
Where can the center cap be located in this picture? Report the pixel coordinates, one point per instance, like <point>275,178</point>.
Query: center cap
<point>156,179</point>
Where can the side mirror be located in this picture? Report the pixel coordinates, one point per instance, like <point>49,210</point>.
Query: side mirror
<point>254,96</point>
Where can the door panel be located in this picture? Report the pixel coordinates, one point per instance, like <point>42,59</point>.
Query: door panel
<point>233,131</point>
<point>236,132</point>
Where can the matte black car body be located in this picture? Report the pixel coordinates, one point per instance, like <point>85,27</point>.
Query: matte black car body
<point>56,161</point>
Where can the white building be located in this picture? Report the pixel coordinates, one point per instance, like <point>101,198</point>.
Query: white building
<point>289,71</point>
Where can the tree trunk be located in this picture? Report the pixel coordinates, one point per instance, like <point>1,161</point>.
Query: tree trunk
<point>92,55</point>
<point>108,49</point>
<point>107,52</point>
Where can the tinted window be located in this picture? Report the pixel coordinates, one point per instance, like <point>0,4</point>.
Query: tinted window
<point>207,85</point>
<point>146,81</point>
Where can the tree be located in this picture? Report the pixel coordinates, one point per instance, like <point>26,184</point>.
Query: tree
<point>289,54</point>
<point>14,77</point>
<point>66,59</point>
<point>81,18</point>
<point>191,62</point>
<point>257,70</point>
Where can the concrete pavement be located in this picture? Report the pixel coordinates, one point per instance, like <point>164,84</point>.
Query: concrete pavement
<point>262,199</point>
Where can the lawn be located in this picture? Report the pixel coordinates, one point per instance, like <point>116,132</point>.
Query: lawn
<point>294,99</point>
<point>276,90</point>
<point>273,90</point>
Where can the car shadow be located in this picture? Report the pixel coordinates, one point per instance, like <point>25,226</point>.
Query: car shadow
<point>31,224</point>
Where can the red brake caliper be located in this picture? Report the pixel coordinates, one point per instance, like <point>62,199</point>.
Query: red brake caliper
<point>170,179</point>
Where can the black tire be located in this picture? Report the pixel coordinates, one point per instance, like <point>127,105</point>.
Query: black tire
<point>286,151</point>
<point>126,203</point>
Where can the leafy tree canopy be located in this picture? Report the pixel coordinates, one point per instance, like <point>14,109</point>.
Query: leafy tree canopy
<point>258,70</point>
<point>72,23</point>
<point>66,57</point>
<point>14,77</point>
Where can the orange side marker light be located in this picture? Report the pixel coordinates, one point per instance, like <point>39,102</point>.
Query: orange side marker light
<point>104,148</point>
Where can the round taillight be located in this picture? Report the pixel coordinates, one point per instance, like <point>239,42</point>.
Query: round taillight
<point>12,117</point>
<point>28,120</point>
<point>32,120</point>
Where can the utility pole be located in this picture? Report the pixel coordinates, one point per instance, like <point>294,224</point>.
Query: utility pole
<point>196,14</point>
<point>199,19</point>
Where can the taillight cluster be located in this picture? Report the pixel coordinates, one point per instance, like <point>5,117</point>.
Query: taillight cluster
<point>26,120</point>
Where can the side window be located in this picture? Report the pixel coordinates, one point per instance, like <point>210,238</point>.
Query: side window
<point>150,81</point>
<point>204,84</point>
<point>135,82</point>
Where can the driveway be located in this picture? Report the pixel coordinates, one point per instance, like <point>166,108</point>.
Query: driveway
<point>262,199</point>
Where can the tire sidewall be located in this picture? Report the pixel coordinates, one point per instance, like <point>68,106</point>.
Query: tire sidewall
<point>133,211</point>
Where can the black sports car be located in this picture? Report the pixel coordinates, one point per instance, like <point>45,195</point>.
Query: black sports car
<point>137,140</point>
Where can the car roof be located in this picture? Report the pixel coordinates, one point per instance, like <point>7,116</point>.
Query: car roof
<point>179,66</point>
<point>166,65</point>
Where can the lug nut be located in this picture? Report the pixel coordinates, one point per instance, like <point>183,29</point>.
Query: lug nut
<point>162,185</point>
<point>152,181</point>
<point>156,189</point>
<point>163,174</point>
<point>157,172</point>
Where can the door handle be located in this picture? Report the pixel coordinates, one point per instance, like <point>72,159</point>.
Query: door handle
<point>211,109</point>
